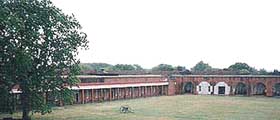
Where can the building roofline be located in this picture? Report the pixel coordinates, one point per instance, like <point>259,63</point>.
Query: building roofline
<point>262,76</point>
<point>146,76</point>
<point>118,76</point>
<point>118,85</point>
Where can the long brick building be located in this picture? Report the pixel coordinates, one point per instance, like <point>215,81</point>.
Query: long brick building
<point>107,88</point>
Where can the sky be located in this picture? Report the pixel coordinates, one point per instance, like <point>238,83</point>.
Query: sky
<point>179,32</point>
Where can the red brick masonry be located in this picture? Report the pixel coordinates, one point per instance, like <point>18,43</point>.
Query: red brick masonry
<point>107,88</point>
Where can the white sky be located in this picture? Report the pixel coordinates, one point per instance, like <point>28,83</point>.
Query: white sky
<point>179,32</point>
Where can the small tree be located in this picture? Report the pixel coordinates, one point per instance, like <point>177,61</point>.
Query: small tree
<point>263,72</point>
<point>180,68</point>
<point>201,67</point>
<point>38,49</point>
<point>137,67</point>
<point>275,72</point>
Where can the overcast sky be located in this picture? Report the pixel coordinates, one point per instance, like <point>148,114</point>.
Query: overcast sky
<point>179,32</point>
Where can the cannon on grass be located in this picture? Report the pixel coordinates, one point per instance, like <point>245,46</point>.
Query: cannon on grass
<point>126,109</point>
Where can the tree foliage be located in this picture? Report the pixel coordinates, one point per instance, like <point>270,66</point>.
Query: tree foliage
<point>240,66</point>
<point>263,72</point>
<point>201,66</point>
<point>275,72</point>
<point>163,67</point>
<point>137,67</point>
<point>120,67</point>
<point>38,49</point>
<point>95,66</point>
<point>108,67</point>
<point>180,68</point>
<point>243,68</point>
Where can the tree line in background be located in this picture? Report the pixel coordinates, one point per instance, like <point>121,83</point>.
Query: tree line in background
<point>108,67</point>
<point>238,68</point>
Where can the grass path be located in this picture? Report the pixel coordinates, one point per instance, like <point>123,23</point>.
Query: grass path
<point>181,107</point>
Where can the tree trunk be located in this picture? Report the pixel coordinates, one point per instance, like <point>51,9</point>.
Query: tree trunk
<point>25,106</point>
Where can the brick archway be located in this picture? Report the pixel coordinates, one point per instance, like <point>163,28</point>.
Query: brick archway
<point>276,89</point>
<point>241,89</point>
<point>188,87</point>
<point>259,89</point>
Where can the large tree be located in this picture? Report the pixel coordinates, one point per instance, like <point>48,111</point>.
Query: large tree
<point>38,49</point>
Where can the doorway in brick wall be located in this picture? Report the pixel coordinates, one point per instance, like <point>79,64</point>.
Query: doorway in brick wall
<point>188,88</point>
<point>276,90</point>
<point>241,89</point>
<point>221,90</point>
<point>260,89</point>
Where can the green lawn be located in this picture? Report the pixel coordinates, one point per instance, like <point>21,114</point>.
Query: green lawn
<point>181,107</point>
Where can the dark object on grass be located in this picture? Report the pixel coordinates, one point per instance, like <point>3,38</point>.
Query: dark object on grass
<point>126,109</point>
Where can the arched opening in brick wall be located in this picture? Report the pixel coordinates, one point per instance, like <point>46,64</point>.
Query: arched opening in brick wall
<point>276,89</point>
<point>260,89</point>
<point>188,87</point>
<point>240,89</point>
